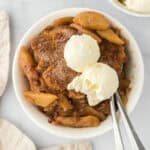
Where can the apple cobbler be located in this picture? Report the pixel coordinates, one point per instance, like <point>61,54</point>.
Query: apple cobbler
<point>48,75</point>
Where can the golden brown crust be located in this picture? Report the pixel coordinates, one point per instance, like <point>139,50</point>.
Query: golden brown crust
<point>27,64</point>
<point>86,31</point>
<point>64,103</point>
<point>63,21</point>
<point>78,122</point>
<point>39,98</point>
<point>111,36</point>
<point>75,95</point>
<point>91,111</point>
<point>92,20</point>
<point>113,55</point>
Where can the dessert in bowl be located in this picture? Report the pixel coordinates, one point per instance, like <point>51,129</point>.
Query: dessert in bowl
<point>67,67</point>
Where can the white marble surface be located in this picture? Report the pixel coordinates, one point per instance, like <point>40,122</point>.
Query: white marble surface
<point>23,13</point>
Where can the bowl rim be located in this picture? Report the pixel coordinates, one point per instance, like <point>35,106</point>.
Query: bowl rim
<point>122,8</point>
<point>87,136</point>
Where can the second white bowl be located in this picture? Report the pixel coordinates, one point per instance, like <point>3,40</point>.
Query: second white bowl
<point>124,9</point>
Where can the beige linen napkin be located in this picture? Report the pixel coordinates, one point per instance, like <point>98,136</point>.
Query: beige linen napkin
<point>12,138</point>
<point>4,50</point>
<point>78,146</point>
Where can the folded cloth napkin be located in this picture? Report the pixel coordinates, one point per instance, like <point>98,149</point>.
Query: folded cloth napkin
<point>78,146</point>
<point>12,138</point>
<point>4,50</point>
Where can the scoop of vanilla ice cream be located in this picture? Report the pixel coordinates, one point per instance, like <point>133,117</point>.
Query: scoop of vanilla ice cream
<point>142,6</point>
<point>81,51</point>
<point>99,82</point>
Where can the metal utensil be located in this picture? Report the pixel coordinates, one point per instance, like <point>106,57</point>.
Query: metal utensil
<point>136,143</point>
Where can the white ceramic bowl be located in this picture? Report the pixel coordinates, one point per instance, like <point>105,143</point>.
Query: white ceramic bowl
<point>124,9</point>
<point>135,73</point>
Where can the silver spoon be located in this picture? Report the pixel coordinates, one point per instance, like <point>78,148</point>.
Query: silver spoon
<point>133,137</point>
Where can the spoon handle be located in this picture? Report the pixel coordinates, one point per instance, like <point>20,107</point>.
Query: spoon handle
<point>117,134</point>
<point>133,137</point>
